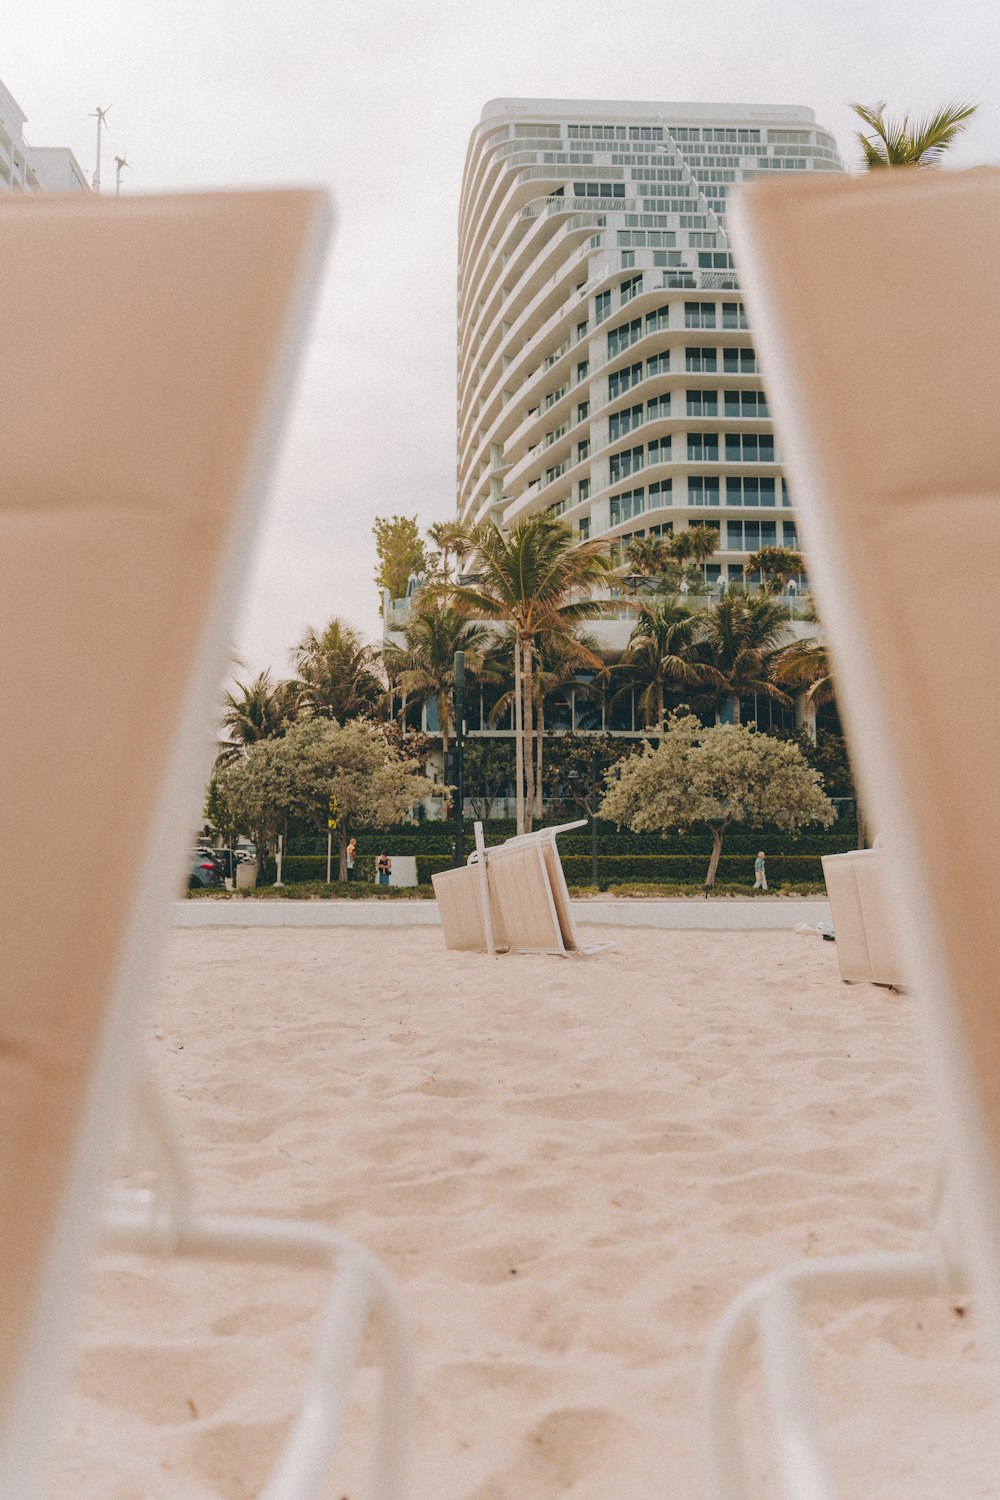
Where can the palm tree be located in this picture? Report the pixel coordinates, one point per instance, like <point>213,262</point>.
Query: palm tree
<point>425,667</point>
<point>897,143</point>
<point>777,566</point>
<point>339,676</point>
<point>257,710</point>
<point>694,545</point>
<point>662,653</point>
<point>741,634</point>
<point>538,579</point>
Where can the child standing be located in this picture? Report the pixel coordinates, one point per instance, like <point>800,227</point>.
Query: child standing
<point>759,873</point>
<point>383,867</point>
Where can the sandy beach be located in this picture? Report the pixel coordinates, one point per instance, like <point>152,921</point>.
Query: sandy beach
<point>571,1167</point>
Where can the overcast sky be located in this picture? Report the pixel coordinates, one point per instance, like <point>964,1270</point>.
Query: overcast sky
<point>376,100</point>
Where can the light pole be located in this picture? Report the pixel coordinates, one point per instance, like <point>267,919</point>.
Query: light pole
<point>458,858</point>
<point>595,770</point>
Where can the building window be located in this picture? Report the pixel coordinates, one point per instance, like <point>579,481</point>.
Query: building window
<point>790,533</point>
<point>630,289</point>
<point>583,411</point>
<point>658,320</point>
<point>583,490</point>
<point>622,380</point>
<point>661,493</point>
<point>658,451</point>
<point>733,315</point>
<point>583,450</point>
<point>698,361</point>
<point>602,306</point>
<point>703,447</point>
<point>626,505</point>
<point>621,422</point>
<point>624,336</point>
<point>658,406</point>
<point>759,492</point>
<point>703,403</point>
<point>658,364</point>
<point>699,315</point>
<point>628,259</point>
<point>747,404</point>
<point>584,528</point>
<point>786,498</point>
<point>739,361</point>
<point>599,189</point>
<point>750,536</point>
<point>581,331</point>
<point>703,490</point>
<point>749,448</point>
<point>629,461</point>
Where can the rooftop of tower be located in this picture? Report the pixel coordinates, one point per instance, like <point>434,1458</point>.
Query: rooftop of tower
<point>632,109</point>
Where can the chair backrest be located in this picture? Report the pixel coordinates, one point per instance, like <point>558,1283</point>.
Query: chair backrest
<point>876,311</point>
<point>864,917</point>
<point>147,350</point>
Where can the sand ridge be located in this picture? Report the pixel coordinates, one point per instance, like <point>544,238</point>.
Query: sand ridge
<point>571,1167</point>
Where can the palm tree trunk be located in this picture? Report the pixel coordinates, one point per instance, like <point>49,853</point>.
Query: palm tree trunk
<point>529,759</point>
<point>518,740</point>
<point>538,762</point>
<point>659,708</point>
<point>736,708</point>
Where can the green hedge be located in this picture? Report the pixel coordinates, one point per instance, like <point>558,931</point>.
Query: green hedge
<point>439,838</point>
<point>666,869</point>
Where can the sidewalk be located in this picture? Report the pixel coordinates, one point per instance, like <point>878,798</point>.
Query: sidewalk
<point>718,914</point>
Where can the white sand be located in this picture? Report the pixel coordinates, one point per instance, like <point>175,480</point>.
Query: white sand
<point>571,1167</point>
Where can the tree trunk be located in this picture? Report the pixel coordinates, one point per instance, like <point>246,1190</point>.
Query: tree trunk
<point>529,746</point>
<point>736,708</point>
<point>718,834</point>
<point>538,760</point>
<point>518,740</point>
<point>402,715</point>
<point>659,709</point>
<point>342,846</point>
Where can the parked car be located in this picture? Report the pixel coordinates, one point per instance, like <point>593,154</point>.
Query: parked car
<point>205,870</point>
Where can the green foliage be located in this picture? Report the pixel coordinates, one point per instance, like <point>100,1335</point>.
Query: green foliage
<point>716,777</point>
<point>665,869</point>
<point>339,676</point>
<point>401,551</point>
<point>777,566</point>
<point>317,890</point>
<point>898,143</point>
<point>315,761</point>
<point>257,710</point>
<point>489,768</point>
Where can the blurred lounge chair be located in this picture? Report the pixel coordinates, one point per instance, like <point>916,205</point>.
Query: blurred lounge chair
<point>147,353</point>
<point>876,314</point>
<point>863,917</point>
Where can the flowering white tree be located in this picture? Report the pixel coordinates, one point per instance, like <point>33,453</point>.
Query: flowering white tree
<point>717,777</point>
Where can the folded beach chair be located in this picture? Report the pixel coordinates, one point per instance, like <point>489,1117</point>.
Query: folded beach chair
<point>147,351</point>
<point>512,897</point>
<point>876,311</point>
<point>863,917</point>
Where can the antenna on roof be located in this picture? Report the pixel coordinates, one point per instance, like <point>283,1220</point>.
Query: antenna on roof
<point>120,164</point>
<point>102,119</point>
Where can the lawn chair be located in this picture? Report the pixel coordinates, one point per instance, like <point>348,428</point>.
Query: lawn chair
<point>512,898</point>
<point>876,314</point>
<point>148,347</point>
<point>863,918</point>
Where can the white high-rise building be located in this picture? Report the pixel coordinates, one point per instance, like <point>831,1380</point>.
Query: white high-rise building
<point>33,169</point>
<point>606,371</point>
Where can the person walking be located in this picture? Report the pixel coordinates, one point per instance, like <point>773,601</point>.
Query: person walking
<point>759,873</point>
<point>352,849</point>
<point>383,867</point>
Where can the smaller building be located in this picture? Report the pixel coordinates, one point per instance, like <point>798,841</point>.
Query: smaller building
<point>33,169</point>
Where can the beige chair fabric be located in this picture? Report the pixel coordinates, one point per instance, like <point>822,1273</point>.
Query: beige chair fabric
<point>876,312</point>
<point>521,899</point>
<point>459,898</point>
<point>863,918</point>
<point>146,351</point>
